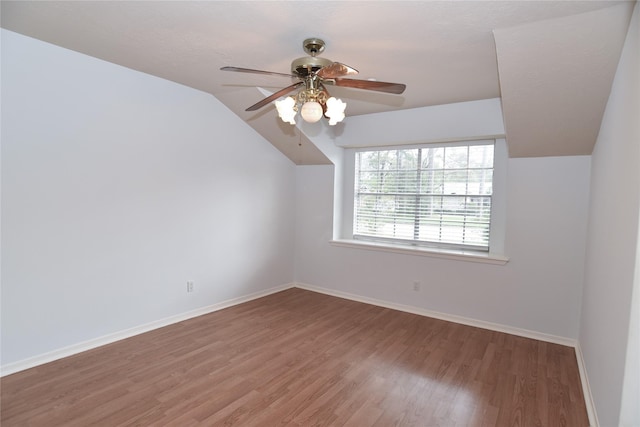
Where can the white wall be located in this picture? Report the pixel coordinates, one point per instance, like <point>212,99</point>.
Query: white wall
<point>436,123</point>
<point>612,244</point>
<point>537,290</point>
<point>117,188</point>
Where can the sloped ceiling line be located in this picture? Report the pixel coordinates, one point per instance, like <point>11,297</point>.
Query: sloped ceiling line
<point>555,57</point>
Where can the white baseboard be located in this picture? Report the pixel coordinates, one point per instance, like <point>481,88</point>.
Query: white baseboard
<point>569,342</point>
<point>31,362</point>
<point>586,388</point>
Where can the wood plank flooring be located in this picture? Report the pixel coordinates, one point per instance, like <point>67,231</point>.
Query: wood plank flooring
<point>300,358</point>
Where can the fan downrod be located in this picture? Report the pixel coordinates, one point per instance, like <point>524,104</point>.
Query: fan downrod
<point>306,66</point>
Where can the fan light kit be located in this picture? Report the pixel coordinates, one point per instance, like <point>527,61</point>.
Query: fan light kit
<point>313,102</point>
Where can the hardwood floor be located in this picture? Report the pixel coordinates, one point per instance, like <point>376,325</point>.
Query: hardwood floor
<point>301,358</point>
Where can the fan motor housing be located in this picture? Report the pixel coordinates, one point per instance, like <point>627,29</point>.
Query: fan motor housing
<point>309,64</point>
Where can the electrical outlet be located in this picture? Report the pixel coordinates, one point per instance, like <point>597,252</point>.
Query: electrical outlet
<point>190,287</point>
<point>416,286</point>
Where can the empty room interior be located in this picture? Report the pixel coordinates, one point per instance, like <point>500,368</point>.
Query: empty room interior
<point>360,213</point>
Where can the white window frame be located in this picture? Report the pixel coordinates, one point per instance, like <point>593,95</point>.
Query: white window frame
<point>496,254</point>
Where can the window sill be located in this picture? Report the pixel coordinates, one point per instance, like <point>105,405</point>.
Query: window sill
<point>470,256</point>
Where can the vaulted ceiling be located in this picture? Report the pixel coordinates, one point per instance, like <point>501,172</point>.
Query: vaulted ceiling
<point>551,62</point>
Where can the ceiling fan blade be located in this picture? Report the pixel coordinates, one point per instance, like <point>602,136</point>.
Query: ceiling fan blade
<point>336,69</point>
<point>249,70</point>
<point>273,97</point>
<point>387,87</point>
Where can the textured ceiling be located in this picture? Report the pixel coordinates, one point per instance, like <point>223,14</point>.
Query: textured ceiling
<point>444,51</point>
<point>554,96</point>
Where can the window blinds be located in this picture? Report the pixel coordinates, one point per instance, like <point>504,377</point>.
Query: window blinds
<point>434,195</point>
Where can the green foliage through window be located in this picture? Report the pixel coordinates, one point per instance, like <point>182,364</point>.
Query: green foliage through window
<point>435,195</point>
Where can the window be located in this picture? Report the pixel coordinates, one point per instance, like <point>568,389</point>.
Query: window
<point>435,195</point>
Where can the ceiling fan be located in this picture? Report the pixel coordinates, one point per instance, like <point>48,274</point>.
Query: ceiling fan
<point>314,73</point>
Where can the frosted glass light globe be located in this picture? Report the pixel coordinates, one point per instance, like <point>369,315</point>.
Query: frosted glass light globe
<point>286,110</point>
<point>311,111</point>
<point>335,110</point>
